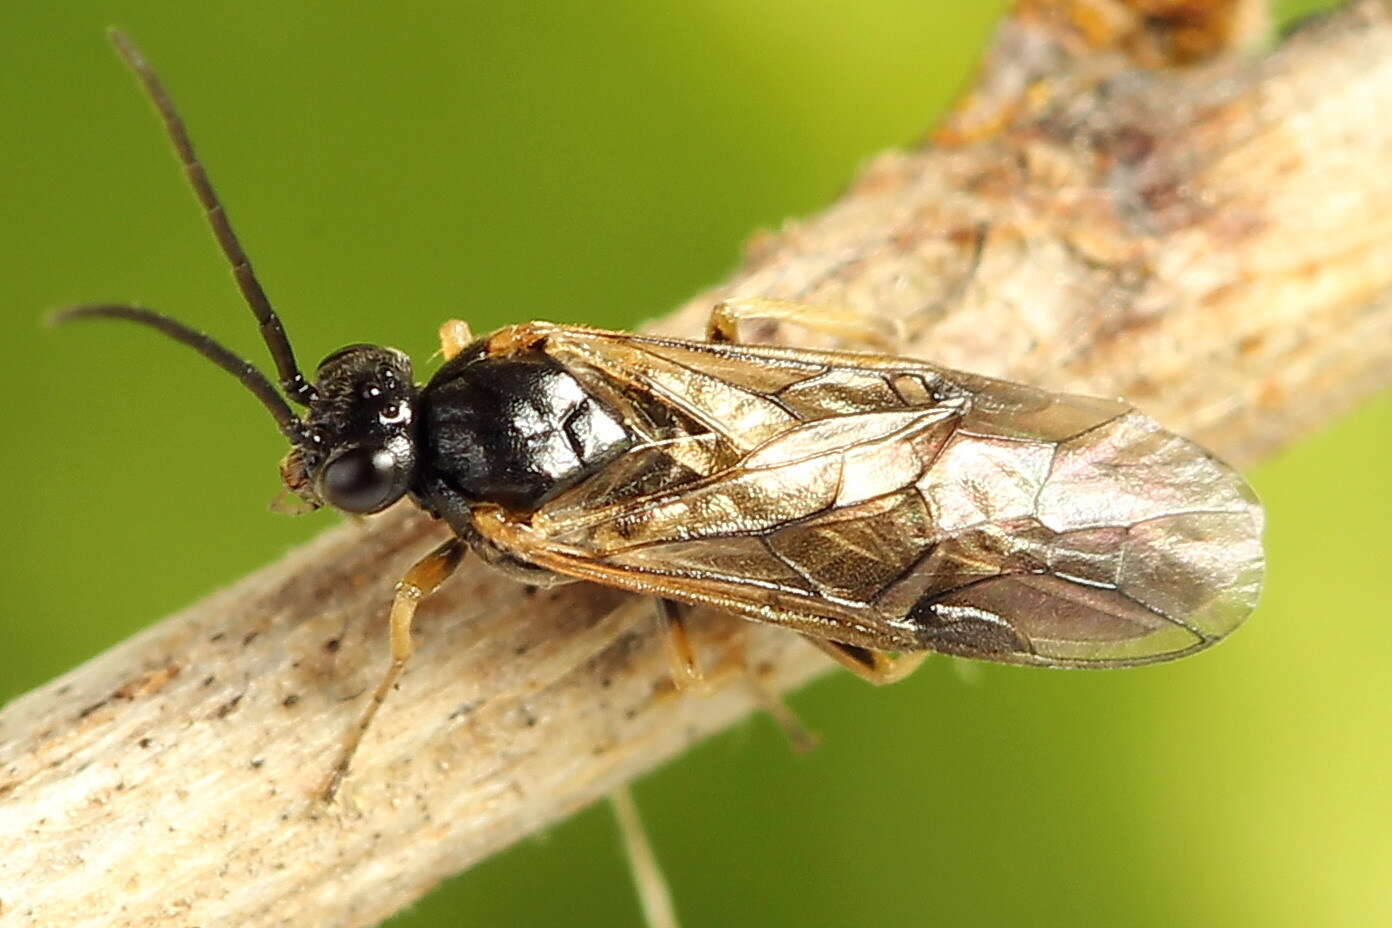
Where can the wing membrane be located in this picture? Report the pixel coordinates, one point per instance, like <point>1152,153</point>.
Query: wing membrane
<point>896,505</point>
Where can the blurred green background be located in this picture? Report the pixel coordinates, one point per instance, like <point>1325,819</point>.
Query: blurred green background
<point>600,162</point>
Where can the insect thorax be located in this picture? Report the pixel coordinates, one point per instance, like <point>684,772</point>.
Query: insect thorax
<point>514,431</point>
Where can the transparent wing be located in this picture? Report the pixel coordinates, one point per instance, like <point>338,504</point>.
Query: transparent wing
<point>896,505</point>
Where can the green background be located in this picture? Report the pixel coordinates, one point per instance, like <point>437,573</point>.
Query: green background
<point>599,162</point>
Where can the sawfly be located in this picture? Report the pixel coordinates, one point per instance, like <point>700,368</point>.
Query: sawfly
<point>882,507</point>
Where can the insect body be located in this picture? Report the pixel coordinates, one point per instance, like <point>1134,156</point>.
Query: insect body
<point>879,506</point>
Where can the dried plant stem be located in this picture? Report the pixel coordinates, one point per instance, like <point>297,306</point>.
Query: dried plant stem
<point>1213,242</point>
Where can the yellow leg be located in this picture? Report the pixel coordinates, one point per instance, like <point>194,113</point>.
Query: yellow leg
<point>839,322</point>
<point>654,895</point>
<point>876,667</point>
<point>455,336</point>
<point>800,738</point>
<point>420,581</point>
<point>681,656</point>
<point>686,672</point>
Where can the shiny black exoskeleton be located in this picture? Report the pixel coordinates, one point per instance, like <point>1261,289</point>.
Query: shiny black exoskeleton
<point>512,431</point>
<point>357,447</point>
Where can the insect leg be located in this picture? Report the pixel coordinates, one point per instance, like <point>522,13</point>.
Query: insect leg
<point>455,336</point>
<point>654,895</point>
<point>878,667</point>
<point>420,581</point>
<point>848,324</point>
<point>800,738</point>
<point>686,672</point>
<point>681,656</point>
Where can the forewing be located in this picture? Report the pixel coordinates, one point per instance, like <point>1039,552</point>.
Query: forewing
<point>896,505</point>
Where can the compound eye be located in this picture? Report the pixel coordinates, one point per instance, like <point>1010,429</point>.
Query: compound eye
<point>361,480</point>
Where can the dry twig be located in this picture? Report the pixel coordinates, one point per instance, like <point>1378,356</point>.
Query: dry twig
<point>1213,242</point>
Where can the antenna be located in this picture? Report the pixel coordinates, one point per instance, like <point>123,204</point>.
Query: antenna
<point>251,378</point>
<point>291,380</point>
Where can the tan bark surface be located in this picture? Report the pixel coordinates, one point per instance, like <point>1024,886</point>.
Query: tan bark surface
<point>1211,241</point>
